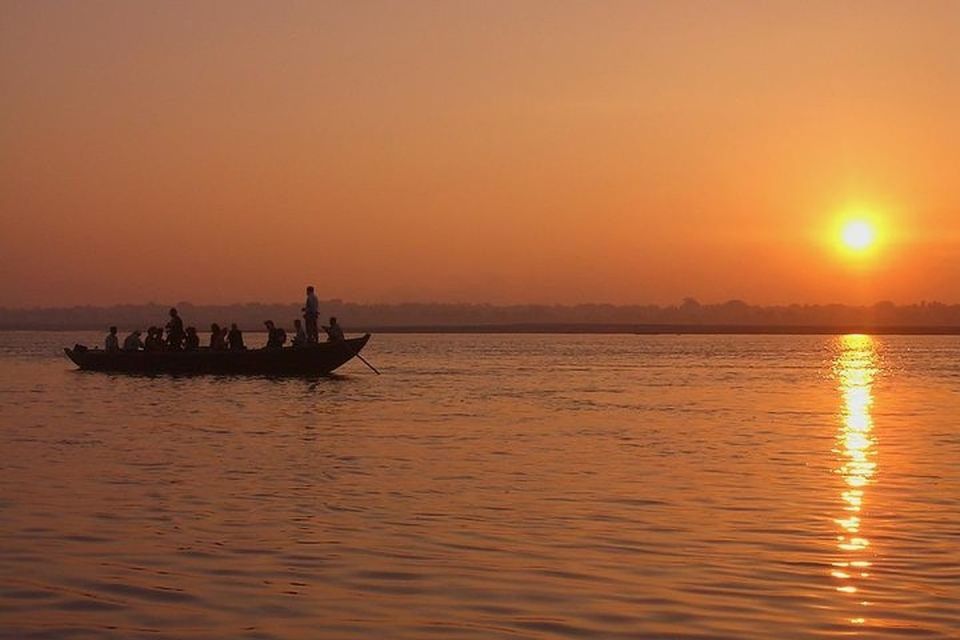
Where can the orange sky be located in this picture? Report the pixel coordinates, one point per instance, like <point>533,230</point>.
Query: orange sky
<point>624,152</point>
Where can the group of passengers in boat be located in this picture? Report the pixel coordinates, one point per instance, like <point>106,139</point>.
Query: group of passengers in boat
<point>179,338</point>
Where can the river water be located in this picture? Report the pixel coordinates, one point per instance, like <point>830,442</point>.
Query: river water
<point>490,486</point>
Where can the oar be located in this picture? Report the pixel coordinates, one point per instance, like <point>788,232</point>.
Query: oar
<point>356,353</point>
<point>364,361</point>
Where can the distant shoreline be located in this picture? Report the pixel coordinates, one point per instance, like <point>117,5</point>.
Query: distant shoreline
<point>664,329</point>
<point>600,328</point>
<point>689,317</point>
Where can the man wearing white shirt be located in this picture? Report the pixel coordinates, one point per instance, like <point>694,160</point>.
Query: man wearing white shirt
<point>311,312</point>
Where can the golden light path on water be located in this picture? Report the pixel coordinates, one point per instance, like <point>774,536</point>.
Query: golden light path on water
<point>855,448</point>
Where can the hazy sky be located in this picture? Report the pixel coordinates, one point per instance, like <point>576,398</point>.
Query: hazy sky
<point>477,151</point>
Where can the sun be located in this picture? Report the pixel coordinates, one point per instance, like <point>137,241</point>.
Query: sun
<point>858,235</point>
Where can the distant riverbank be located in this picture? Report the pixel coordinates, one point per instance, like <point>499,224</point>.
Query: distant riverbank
<point>690,317</point>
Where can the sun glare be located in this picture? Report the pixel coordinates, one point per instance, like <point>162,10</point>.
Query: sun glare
<point>858,235</point>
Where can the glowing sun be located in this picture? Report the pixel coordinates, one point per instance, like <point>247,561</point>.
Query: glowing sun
<point>858,235</point>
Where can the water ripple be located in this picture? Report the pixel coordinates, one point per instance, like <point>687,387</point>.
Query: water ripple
<point>696,487</point>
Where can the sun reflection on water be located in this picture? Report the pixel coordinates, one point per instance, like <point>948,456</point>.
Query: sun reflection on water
<point>855,448</point>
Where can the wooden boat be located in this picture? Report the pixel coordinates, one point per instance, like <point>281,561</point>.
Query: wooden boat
<point>311,359</point>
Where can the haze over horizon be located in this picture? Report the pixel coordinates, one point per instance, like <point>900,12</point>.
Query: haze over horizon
<point>472,303</point>
<point>542,152</point>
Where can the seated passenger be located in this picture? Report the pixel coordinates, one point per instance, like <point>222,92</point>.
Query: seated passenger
<point>133,342</point>
<point>300,338</point>
<point>154,341</point>
<point>334,331</point>
<point>218,338</point>
<point>191,340</point>
<point>235,338</point>
<point>275,335</point>
<point>112,343</point>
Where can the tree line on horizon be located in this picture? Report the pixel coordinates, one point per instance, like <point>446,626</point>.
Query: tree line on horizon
<point>359,316</point>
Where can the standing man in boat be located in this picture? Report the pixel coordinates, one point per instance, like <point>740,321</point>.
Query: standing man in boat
<point>311,313</point>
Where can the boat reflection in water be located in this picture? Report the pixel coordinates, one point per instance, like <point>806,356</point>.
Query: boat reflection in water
<point>855,448</point>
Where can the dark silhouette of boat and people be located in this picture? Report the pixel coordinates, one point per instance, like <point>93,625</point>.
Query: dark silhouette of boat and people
<point>175,348</point>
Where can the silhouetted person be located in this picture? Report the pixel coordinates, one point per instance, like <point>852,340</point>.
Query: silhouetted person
<point>334,331</point>
<point>191,341</point>
<point>218,337</point>
<point>311,313</point>
<point>154,341</point>
<point>112,343</point>
<point>235,338</point>
<point>133,342</point>
<point>175,334</point>
<point>300,337</point>
<point>275,335</point>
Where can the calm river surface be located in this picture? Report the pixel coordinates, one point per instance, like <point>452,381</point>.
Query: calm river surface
<point>490,486</point>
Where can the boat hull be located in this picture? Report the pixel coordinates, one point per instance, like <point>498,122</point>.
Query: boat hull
<point>312,359</point>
